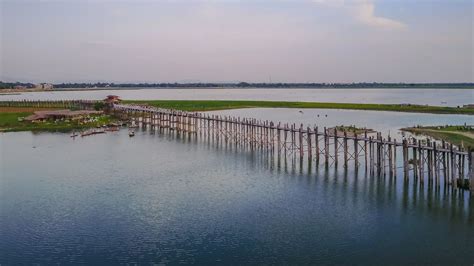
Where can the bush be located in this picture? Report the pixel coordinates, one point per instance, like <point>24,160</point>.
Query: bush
<point>99,106</point>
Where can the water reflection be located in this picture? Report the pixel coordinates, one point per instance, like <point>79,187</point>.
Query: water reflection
<point>354,184</point>
<point>180,198</point>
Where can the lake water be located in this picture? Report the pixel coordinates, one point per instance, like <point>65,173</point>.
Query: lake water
<point>440,97</point>
<point>385,122</point>
<point>158,198</point>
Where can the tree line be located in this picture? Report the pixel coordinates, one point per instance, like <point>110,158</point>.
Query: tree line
<point>10,85</point>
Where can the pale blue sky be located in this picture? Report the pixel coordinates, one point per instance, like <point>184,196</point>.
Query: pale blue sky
<point>212,41</point>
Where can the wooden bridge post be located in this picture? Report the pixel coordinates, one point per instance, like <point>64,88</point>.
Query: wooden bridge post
<point>415,159</point>
<point>453,172</point>
<point>310,148</point>
<point>292,137</point>
<point>371,157</point>
<point>395,157</point>
<point>436,163</point>
<point>301,142</point>
<point>390,156</point>
<point>405,159</point>
<point>326,147</point>
<point>238,136</point>
<point>254,134</point>
<point>279,137</point>
<point>379,154</point>
<point>471,170</point>
<point>461,166</point>
<point>366,151</point>
<point>335,147</point>
<point>431,160</point>
<point>445,169</point>
<point>208,129</point>
<point>356,151</point>
<point>258,131</point>
<point>245,135</point>
<point>345,149</point>
<point>422,162</point>
<point>249,133</point>
<point>272,136</point>
<point>218,128</point>
<point>267,134</point>
<point>316,143</point>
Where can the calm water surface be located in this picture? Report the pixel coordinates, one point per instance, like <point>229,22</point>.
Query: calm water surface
<point>385,122</point>
<point>111,199</point>
<point>442,97</point>
<point>156,198</point>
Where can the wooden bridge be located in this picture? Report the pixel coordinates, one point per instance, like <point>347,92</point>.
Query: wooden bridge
<point>437,163</point>
<point>434,162</point>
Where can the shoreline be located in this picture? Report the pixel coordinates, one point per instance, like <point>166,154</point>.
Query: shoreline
<point>218,105</point>
<point>7,91</point>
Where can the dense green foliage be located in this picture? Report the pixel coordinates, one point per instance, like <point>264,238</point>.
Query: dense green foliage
<point>11,85</point>
<point>263,85</point>
<point>99,106</point>
<point>204,105</point>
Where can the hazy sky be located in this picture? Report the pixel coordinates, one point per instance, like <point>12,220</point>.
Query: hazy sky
<point>285,41</point>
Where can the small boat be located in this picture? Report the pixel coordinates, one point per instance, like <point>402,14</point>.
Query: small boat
<point>131,133</point>
<point>112,129</point>
<point>74,134</point>
<point>114,124</point>
<point>92,132</point>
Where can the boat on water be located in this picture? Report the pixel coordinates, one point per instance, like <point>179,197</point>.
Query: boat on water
<point>112,129</point>
<point>92,132</point>
<point>74,134</point>
<point>131,133</point>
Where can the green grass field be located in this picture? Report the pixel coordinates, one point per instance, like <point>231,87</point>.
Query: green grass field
<point>9,123</point>
<point>211,105</point>
<point>456,135</point>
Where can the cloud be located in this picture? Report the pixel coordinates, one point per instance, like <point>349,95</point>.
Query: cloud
<point>364,12</point>
<point>333,3</point>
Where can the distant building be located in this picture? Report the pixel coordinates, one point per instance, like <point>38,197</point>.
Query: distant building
<point>44,86</point>
<point>470,106</point>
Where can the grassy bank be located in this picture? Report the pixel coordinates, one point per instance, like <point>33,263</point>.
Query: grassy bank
<point>10,122</point>
<point>456,135</point>
<point>211,105</point>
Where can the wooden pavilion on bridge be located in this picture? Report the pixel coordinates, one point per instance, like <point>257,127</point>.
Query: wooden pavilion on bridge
<point>112,99</point>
